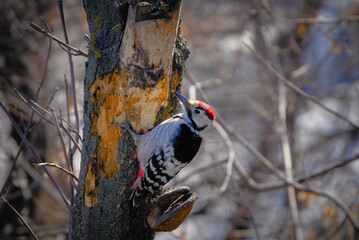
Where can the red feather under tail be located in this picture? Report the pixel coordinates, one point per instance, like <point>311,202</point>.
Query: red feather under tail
<point>139,177</point>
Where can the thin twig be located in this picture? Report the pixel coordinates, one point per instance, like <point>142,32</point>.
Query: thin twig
<point>201,170</point>
<point>61,46</point>
<point>31,103</point>
<point>47,186</point>
<point>48,105</point>
<point>71,138</point>
<point>32,149</point>
<point>71,65</point>
<point>72,150</point>
<point>287,158</point>
<point>296,89</point>
<point>222,133</point>
<point>20,217</point>
<point>252,233</point>
<point>353,18</point>
<point>7,179</point>
<point>333,232</point>
<point>300,179</point>
<point>231,156</point>
<point>246,202</point>
<point>62,143</point>
<point>57,166</point>
<point>50,29</point>
<point>74,100</point>
<point>71,128</point>
<point>25,101</point>
<point>28,127</point>
<point>328,168</point>
<point>44,72</point>
<point>71,50</point>
<point>68,113</point>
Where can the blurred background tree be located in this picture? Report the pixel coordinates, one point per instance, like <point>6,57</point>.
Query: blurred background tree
<point>283,79</point>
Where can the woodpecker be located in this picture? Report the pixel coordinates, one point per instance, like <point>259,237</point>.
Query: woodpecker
<point>170,146</point>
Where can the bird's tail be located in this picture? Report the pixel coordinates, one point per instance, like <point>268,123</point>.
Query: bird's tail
<point>139,195</point>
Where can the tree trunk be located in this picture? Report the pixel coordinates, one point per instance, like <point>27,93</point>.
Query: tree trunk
<point>135,58</point>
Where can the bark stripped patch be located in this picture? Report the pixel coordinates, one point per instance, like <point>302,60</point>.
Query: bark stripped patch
<point>111,96</point>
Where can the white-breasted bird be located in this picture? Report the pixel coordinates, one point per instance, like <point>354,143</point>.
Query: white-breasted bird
<point>170,146</point>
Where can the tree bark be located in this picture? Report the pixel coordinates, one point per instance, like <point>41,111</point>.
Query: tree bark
<point>136,57</point>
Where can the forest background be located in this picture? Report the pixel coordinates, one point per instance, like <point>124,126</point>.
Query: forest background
<point>282,76</point>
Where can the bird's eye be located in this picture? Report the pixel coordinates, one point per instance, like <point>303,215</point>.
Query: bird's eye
<point>197,111</point>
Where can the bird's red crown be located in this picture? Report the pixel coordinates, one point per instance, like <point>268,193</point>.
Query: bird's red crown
<point>209,111</point>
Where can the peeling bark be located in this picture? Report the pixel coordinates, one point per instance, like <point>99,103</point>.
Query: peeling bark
<point>135,58</point>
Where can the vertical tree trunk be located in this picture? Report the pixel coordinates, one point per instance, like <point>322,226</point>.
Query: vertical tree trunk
<point>133,64</point>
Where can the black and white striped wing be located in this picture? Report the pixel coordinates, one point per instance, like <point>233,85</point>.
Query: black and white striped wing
<point>155,176</point>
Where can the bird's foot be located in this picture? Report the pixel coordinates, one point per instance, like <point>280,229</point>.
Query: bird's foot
<point>125,125</point>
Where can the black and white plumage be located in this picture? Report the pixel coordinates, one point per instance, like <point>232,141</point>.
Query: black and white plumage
<point>169,147</point>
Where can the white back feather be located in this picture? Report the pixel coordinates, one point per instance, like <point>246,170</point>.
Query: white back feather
<point>157,139</point>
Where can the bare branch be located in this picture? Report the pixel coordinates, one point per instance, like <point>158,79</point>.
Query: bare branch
<point>74,101</point>
<point>57,166</point>
<point>296,89</point>
<point>41,115</point>
<point>71,65</point>
<point>287,158</point>
<point>352,18</point>
<point>48,104</point>
<point>20,217</point>
<point>47,186</point>
<point>28,127</point>
<point>221,131</point>
<point>62,145</point>
<point>71,128</point>
<point>328,168</point>
<point>25,101</point>
<point>38,158</point>
<point>70,49</point>
<point>201,170</point>
<point>71,138</point>
<point>231,156</point>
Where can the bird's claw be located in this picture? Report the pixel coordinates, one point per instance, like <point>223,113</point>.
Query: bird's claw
<point>125,125</point>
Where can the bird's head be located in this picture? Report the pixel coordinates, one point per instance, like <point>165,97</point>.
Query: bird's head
<point>200,115</point>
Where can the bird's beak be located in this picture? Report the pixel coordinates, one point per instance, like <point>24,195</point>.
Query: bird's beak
<point>184,100</point>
